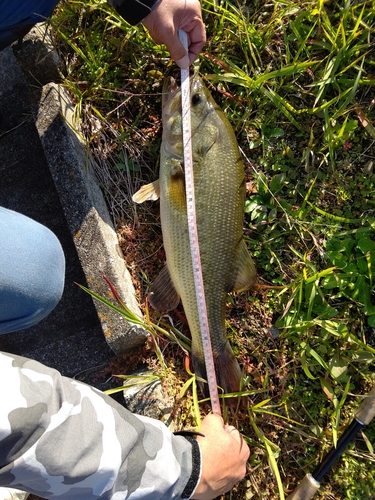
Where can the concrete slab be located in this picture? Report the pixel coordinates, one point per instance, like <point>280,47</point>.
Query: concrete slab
<point>87,215</point>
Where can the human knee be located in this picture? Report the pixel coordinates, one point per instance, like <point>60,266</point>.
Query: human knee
<point>32,272</point>
<point>18,17</point>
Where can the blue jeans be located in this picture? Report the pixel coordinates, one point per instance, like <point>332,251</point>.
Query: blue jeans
<point>17,17</point>
<point>32,271</point>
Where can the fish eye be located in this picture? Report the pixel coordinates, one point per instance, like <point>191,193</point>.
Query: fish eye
<point>196,99</point>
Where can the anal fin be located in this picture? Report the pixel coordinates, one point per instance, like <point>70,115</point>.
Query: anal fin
<point>244,273</point>
<point>163,295</point>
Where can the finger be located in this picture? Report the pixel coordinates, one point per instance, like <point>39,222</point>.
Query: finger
<point>235,434</point>
<point>184,62</point>
<point>197,37</point>
<point>213,421</point>
<point>244,449</point>
<point>177,52</point>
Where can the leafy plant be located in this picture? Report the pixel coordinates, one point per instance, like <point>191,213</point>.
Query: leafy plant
<point>125,164</point>
<point>354,259</point>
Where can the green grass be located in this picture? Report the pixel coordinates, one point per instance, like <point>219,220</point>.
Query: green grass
<point>297,81</point>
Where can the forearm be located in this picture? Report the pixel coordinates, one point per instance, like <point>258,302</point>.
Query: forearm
<point>63,439</point>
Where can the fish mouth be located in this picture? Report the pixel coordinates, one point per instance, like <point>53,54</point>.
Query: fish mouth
<point>171,101</point>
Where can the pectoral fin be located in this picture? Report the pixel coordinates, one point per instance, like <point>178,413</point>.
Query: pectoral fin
<point>148,192</point>
<point>163,295</point>
<point>211,137</point>
<point>244,272</point>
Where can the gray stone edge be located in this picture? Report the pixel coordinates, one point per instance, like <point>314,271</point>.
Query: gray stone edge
<point>87,216</point>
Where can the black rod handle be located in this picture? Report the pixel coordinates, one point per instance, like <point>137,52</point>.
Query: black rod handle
<point>331,457</point>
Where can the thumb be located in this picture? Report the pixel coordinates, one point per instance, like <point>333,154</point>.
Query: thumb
<point>178,53</point>
<point>212,423</point>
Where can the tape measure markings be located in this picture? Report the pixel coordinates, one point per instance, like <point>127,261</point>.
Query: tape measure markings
<point>193,235</point>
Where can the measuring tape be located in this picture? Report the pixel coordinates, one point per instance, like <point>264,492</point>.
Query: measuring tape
<point>193,234</point>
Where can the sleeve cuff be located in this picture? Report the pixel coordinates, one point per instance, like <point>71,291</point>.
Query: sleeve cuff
<point>196,468</point>
<point>133,11</point>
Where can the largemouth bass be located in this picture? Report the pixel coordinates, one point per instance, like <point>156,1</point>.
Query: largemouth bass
<point>219,182</point>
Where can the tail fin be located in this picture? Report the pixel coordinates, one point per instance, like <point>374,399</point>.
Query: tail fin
<point>228,371</point>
